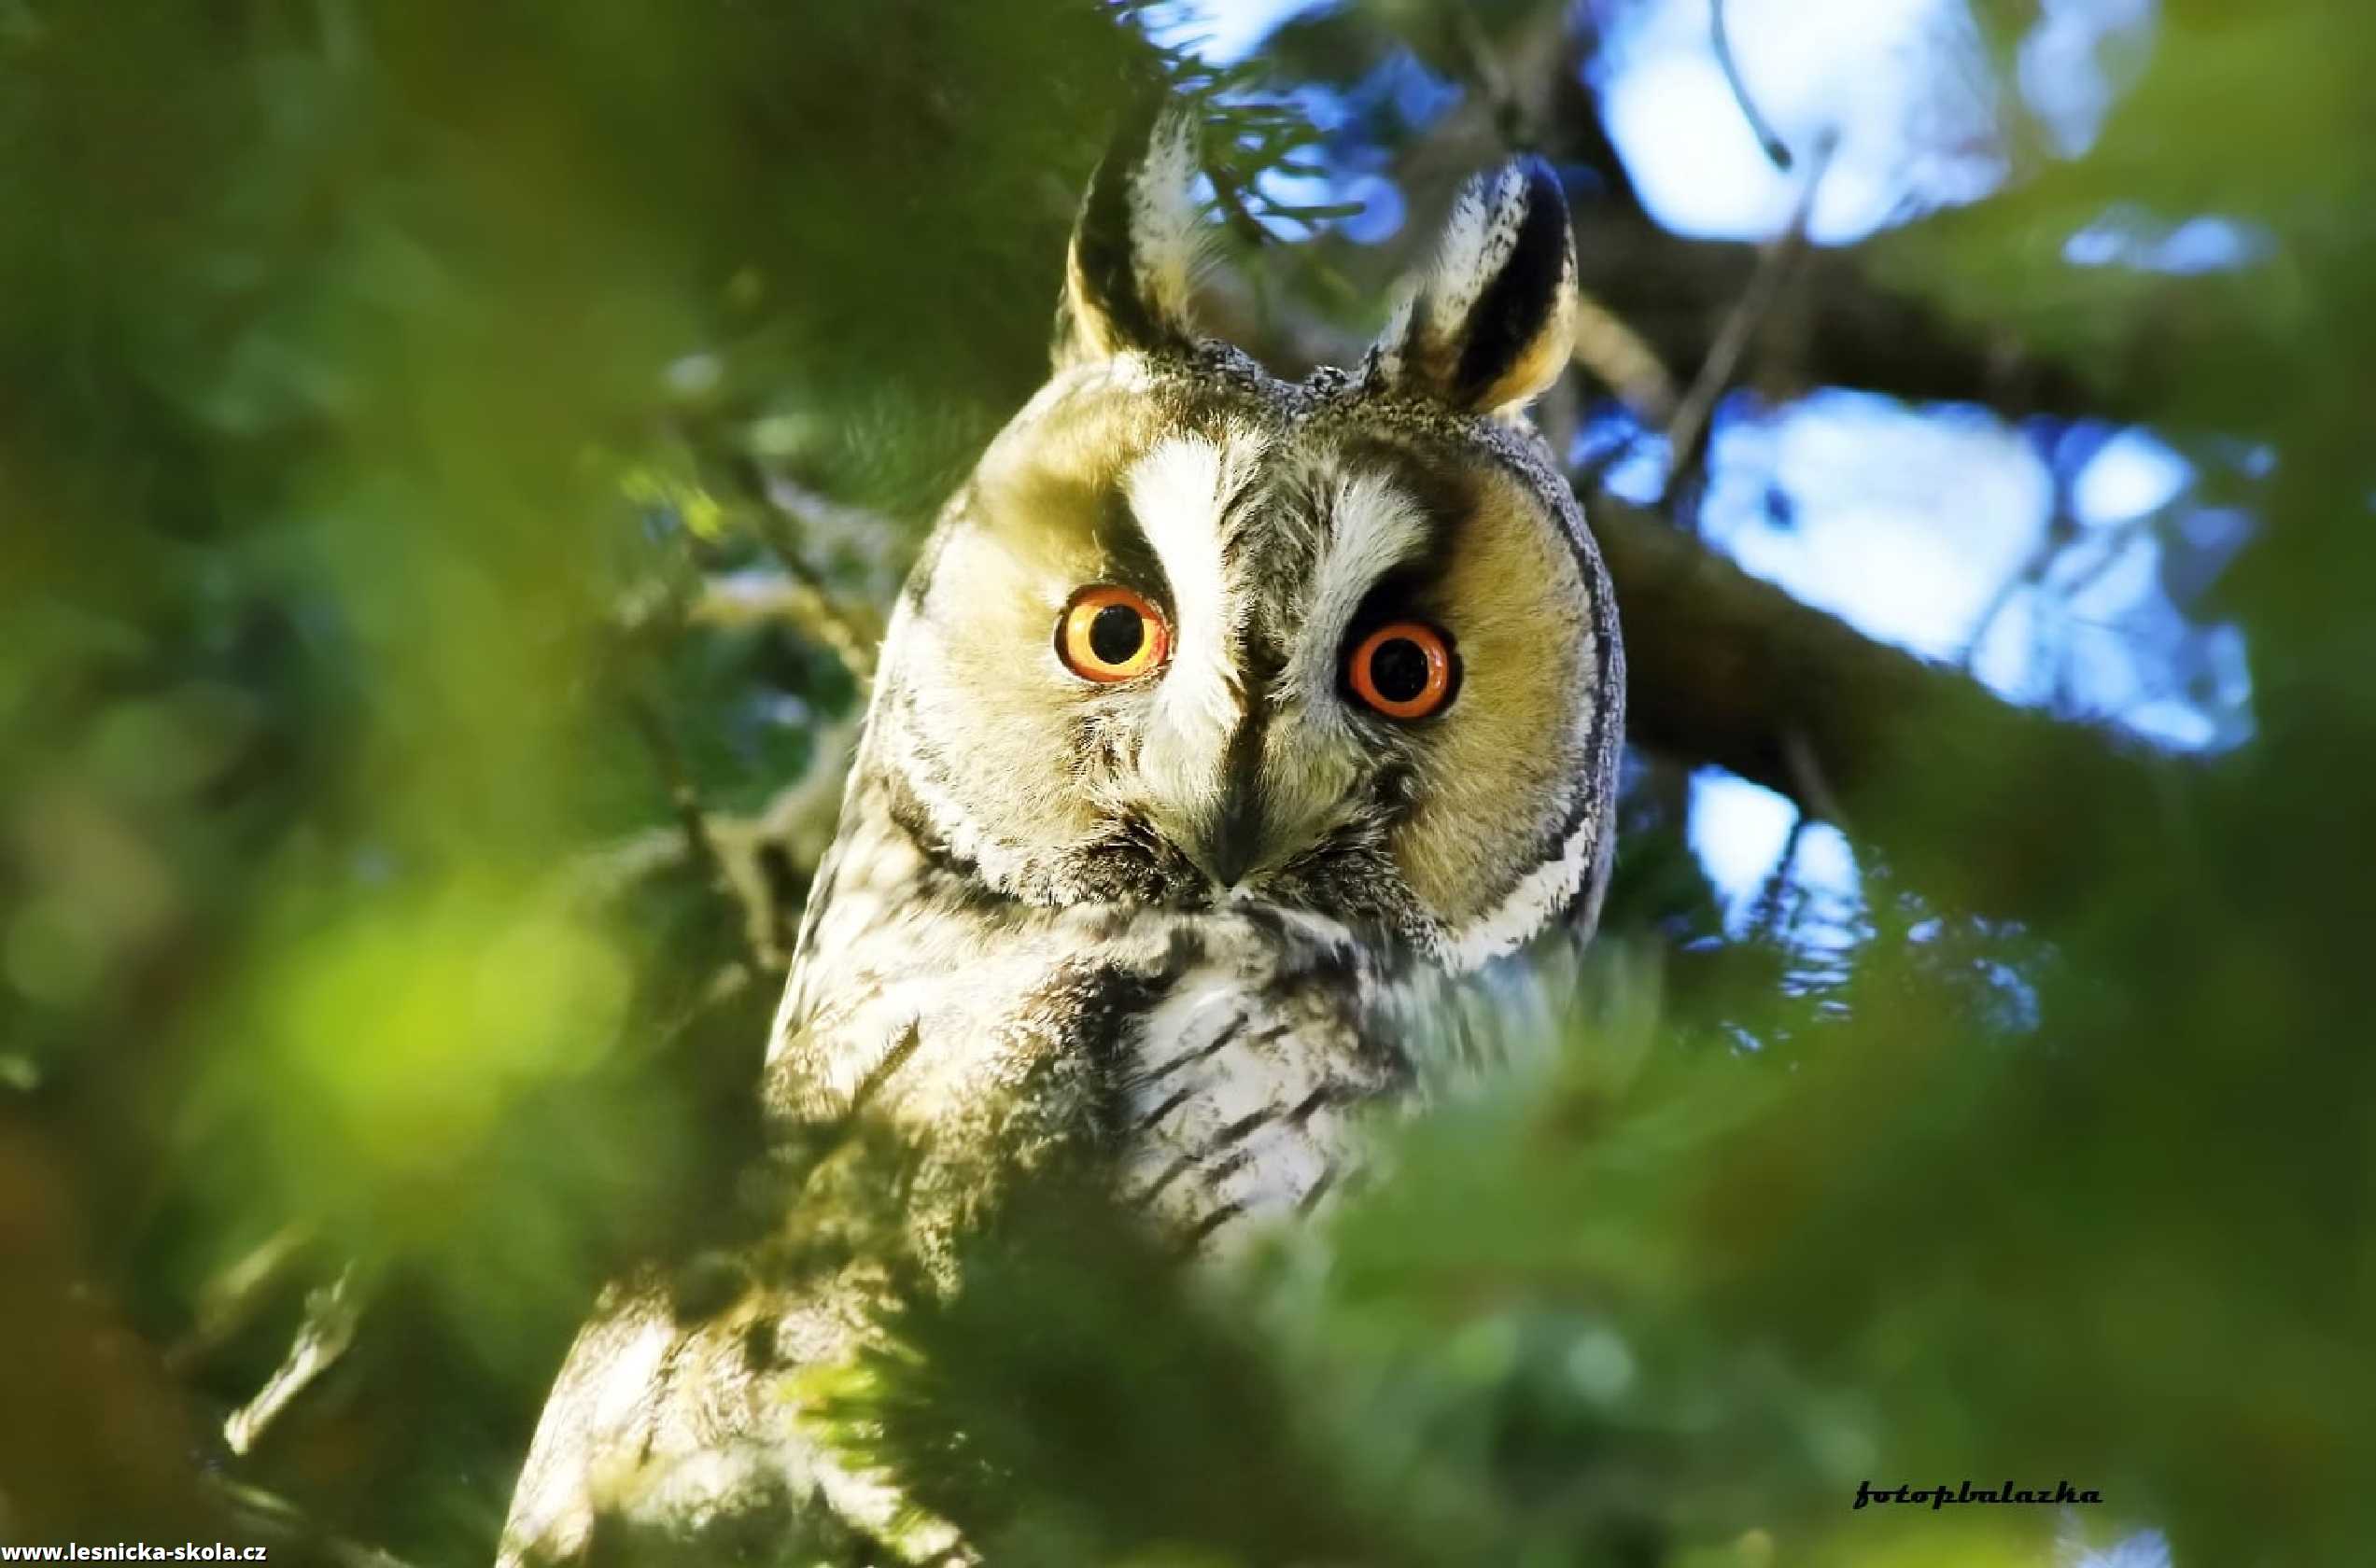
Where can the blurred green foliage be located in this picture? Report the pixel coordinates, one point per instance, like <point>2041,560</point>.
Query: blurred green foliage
<point>384,390</point>
<point>366,373</point>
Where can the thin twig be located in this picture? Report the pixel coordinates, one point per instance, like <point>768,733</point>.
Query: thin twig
<point>1768,914</point>
<point>1687,433</point>
<point>333,1313</point>
<point>1808,780</point>
<point>1775,148</point>
<point>740,598</point>
<point>1620,358</point>
<point>2032,571</point>
<point>236,1296</point>
<point>281,1523</point>
<point>1230,195</point>
<point>684,797</point>
<point>2114,543</point>
<point>762,862</point>
<point>780,503</point>
<point>1517,125</point>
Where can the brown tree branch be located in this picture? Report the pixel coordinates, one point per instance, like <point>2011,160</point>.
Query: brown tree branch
<point>1835,325</point>
<point>2015,813</point>
<point>1695,420</point>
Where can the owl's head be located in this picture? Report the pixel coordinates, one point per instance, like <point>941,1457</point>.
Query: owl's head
<point>1193,636</point>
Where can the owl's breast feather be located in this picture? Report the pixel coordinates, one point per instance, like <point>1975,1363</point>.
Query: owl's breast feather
<point>1220,1057</point>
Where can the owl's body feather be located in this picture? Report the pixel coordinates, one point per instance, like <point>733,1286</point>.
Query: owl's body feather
<point>1220,1054</point>
<point>1191,915</point>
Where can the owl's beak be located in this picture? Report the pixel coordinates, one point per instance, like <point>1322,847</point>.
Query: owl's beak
<point>1233,844</point>
<point>1231,828</point>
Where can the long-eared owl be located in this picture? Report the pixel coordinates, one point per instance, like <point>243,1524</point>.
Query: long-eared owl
<point>1225,727</point>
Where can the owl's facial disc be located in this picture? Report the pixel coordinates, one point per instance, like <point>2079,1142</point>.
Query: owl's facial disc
<point>1192,649</point>
<point>1193,636</point>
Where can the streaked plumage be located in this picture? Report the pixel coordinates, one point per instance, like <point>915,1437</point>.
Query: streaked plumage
<point>1197,917</point>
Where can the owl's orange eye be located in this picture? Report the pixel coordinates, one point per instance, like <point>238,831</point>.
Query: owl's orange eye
<point>1403,670</point>
<point>1108,634</point>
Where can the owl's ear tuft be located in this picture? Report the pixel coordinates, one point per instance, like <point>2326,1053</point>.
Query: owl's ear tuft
<point>1491,323</point>
<point>1136,245</point>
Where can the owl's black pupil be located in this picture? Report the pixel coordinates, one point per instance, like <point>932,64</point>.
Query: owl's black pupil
<point>1399,669</point>
<point>1115,634</point>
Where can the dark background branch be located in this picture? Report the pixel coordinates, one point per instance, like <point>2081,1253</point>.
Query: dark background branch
<point>1832,325</point>
<point>1925,764</point>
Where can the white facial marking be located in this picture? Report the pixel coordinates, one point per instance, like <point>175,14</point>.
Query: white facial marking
<point>1176,491</point>
<point>1374,527</point>
<point>1311,760</point>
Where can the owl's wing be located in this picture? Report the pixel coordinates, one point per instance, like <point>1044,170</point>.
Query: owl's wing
<point>676,1434</point>
<point>1219,1057</point>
